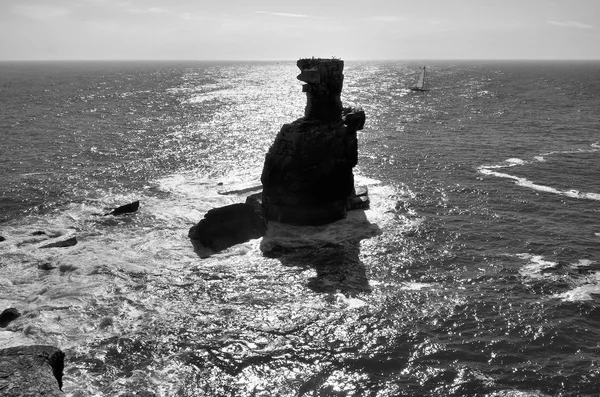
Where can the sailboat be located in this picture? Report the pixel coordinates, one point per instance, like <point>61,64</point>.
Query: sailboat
<point>421,84</point>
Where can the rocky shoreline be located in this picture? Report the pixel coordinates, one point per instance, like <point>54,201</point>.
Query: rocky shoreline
<point>31,371</point>
<point>37,370</point>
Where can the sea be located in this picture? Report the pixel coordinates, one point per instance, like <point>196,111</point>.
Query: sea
<point>475,271</point>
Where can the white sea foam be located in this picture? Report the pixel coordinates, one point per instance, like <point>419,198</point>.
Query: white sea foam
<point>515,161</point>
<point>517,393</point>
<point>511,162</point>
<point>584,262</point>
<point>535,265</point>
<point>415,286</point>
<point>203,98</point>
<point>357,225</point>
<point>349,303</point>
<point>101,270</point>
<point>583,292</point>
<point>584,285</point>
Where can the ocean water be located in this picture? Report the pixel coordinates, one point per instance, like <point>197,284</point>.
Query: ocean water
<point>476,271</point>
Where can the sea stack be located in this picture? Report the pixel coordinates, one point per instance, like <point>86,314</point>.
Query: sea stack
<point>307,176</point>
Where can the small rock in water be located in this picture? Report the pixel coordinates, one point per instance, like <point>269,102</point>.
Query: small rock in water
<point>46,266</point>
<point>587,268</point>
<point>106,322</point>
<point>125,209</point>
<point>226,226</point>
<point>67,268</point>
<point>7,316</point>
<point>62,243</point>
<point>2,238</point>
<point>30,330</point>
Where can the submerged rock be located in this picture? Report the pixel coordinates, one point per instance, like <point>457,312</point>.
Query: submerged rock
<point>2,238</point>
<point>62,243</point>
<point>587,268</point>
<point>125,209</point>
<point>46,266</point>
<point>8,315</point>
<point>27,371</point>
<point>227,226</point>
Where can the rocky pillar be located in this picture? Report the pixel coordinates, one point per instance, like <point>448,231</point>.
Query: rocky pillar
<point>324,80</point>
<point>307,176</point>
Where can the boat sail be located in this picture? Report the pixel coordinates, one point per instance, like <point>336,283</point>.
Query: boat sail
<point>421,83</point>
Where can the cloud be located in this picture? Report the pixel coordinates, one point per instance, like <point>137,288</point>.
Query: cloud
<point>41,12</point>
<point>390,18</point>
<point>570,24</point>
<point>151,10</point>
<point>283,14</point>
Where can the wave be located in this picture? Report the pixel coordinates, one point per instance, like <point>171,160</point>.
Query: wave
<point>114,255</point>
<point>582,277</point>
<point>521,181</point>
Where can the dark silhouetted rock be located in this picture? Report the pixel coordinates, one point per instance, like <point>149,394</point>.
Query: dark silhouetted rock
<point>2,238</point>
<point>67,267</point>
<point>125,209</point>
<point>587,268</point>
<point>256,201</point>
<point>354,118</point>
<point>307,175</point>
<point>324,80</point>
<point>227,226</point>
<point>46,266</point>
<point>62,243</point>
<point>31,371</point>
<point>359,200</point>
<point>8,315</point>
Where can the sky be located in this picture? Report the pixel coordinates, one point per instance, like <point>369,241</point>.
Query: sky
<point>289,30</point>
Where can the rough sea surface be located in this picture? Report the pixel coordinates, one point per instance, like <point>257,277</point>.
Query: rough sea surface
<point>475,272</point>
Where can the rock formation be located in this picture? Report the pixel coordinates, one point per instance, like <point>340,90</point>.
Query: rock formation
<point>28,371</point>
<point>69,242</point>
<point>307,176</point>
<point>125,209</point>
<point>226,226</point>
<point>8,315</point>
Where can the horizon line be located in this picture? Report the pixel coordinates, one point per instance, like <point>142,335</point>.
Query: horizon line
<point>291,60</point>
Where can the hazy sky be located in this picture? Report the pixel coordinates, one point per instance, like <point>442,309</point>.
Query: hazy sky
<point>288,30</point>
